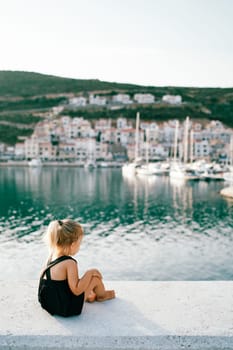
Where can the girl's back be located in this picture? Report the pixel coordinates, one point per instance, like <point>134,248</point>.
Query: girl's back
<point>55,295</point>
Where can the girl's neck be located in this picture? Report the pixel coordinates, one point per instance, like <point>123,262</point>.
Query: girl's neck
<point>58,252</point>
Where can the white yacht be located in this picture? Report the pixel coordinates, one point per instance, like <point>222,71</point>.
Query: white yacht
<point>179,171</point>
<point>35,162</point>
<point>90,164</point>
<point>144,169</point>
<point>129,169</point>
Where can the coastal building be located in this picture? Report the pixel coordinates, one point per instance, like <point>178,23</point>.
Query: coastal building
<point>31,146</point>
<point>57,110</point>
<point>151,129</point>
<point>77,139</point>
<point>172,99</point>
<point>127,136</point>
<point>155,151</point>
<point>103,124</point>
<point>97,100</point>
<point>121,123</point>
<point>2,148</point>
<point>202,149</point>
<point>122,98</point>
<point>144,98</point>
<point>78,101</point>
<point>79,128</point>
<point>19,150</point>
<point>67,150</point>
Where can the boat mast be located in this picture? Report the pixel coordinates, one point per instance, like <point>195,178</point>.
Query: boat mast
<point>186,130</point>
<point>191,146</point>
<point>176,140</point>
<point>231,151</point>
<point>147,145</point>
<point>137,135</point>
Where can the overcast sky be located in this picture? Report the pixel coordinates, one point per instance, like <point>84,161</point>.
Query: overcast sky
<point>147,42</point>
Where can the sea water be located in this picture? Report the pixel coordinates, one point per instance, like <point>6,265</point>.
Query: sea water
<point>136,228</point>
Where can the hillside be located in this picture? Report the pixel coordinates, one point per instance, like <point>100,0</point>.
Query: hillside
<point>28,84</point>
<point>23,95</point>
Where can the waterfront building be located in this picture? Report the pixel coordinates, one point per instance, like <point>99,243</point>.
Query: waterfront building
<point>19,150</point>
<point>47,151</point>
<point>201,149</point>
<point>154,151</point>
<point>31,147</point>
<point>102,151</point>
<point>75,138</point>
<point>127,136</point>
<point>152,130</point>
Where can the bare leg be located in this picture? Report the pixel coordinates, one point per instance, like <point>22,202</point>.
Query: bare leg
<point>96,291</point>
<point>91,297</point>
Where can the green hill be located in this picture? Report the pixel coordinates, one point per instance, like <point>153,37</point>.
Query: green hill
<point>27,84</point>
<point>23,95</point>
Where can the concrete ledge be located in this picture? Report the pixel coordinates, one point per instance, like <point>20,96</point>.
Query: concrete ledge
<point>145,315</point>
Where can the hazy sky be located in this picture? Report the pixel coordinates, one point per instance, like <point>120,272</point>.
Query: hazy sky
<point>149,42</point>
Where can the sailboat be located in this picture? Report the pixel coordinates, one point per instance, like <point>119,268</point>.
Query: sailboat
<point>90,161</point>
<point>146,169</point>
<point>129,169</point>
<point>179,170</point>
<point>228,191</point>
<point>228,175</point>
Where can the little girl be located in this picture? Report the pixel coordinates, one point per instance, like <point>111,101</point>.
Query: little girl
<point>61,291</point>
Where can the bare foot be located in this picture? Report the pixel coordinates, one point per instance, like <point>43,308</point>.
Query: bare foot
<point>91,297</point>
<point>109,294</point>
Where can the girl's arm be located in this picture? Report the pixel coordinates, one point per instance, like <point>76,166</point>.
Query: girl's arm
<point>77,285</point>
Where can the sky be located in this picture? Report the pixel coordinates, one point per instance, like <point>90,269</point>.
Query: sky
<point>145,42</point>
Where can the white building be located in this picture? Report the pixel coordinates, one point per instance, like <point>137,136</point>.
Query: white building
<point>122,123</point>
<point>144,98</point>
<point>172,99</point>
<point>57,109</point>
<point>2,148</point>
<point>19,150</point>
<point>78,101</point>
<point>80,128</point>
<point>122,98</point>
<point>103,124</point>
<point>31,147</point>
<point>201,149</point>
<point>154,150</point>
<point>97,100</point>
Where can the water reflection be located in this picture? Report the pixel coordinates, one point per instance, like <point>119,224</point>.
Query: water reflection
<point>152,227</point>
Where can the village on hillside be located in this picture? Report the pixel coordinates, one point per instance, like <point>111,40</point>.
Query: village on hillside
<point>61,138</point>
<point>78,139</point>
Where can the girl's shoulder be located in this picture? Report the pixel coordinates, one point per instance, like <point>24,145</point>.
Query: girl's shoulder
<point>56,260</point>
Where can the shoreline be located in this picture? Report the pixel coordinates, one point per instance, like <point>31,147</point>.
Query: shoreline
<point>58,164</point>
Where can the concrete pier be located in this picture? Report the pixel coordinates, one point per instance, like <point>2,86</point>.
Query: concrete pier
<point>145,315</point>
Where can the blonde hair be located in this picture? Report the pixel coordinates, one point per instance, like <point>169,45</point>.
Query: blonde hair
<point>62,233</point>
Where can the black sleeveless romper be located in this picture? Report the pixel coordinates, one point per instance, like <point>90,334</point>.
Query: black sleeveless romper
<point>55,296</point>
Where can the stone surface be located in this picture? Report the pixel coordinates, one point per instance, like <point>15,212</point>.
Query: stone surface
<point>145,315</point>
